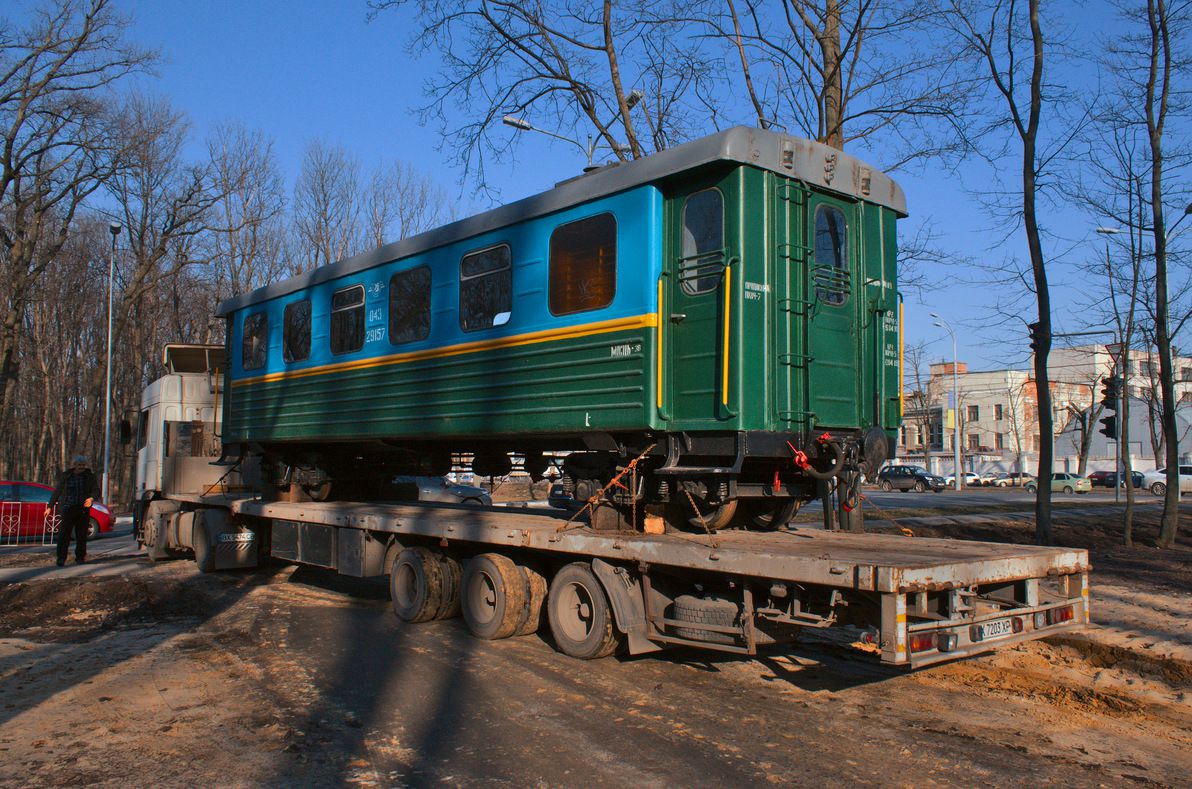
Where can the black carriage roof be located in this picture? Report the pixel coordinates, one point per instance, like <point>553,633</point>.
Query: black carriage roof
<point>811,162</point>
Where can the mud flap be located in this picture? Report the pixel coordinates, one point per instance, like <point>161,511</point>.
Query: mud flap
<point>625,596</point>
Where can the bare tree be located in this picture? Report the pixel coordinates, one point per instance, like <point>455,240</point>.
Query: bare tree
<point>57,144</point>
<point>574,64</point>
<point>847,72</point>
<point>327,209</point>
<point>401,202</point>
<point>1005,41</point>
<point>246,241</point>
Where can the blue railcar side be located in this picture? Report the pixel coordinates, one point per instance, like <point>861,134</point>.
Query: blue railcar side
<point>638,214</point>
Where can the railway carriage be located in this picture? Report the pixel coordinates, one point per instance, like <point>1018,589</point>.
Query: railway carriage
<point>720,318</point>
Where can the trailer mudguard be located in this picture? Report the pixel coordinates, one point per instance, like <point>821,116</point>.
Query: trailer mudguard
<point>625,595</point>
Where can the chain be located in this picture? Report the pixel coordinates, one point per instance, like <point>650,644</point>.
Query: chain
<point>596,498</point>
<point>700,515</point>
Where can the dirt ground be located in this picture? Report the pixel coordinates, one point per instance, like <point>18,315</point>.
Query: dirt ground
<point>160,676</point>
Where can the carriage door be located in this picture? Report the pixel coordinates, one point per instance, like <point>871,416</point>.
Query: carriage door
<point>833,343</point>
<point>697,254</point>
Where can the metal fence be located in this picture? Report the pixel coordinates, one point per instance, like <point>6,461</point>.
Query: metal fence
<point>25,523</point>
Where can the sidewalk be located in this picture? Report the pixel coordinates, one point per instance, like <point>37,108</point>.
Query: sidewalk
<point>115,554</point>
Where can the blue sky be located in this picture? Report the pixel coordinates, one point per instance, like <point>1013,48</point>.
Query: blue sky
<point>304,69</point>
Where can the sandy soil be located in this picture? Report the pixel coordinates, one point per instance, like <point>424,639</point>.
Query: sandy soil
<point>161,676</point>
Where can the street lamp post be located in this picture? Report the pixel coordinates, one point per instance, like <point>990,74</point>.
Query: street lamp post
<point>521,124</point>
<point>955,403</point>
<point>114,229</point>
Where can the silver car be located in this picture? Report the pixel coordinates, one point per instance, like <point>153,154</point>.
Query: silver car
<point>438,489</point>
<point>1156,481</point>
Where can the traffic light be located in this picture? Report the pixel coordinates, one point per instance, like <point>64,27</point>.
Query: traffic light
<point>1109,427</point>
<point>1111,392</point>
<point>1033,328</point>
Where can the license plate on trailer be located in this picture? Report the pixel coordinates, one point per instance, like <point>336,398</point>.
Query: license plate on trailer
<point>995,629</point>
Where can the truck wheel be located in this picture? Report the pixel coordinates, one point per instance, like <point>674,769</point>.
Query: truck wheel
<point>416,585</point>
<point>155,541</point>
<point>532,617</point>
<point>493,596</point>
<point>450,572</point>
<point>581,619</point>
<point>705,611</point>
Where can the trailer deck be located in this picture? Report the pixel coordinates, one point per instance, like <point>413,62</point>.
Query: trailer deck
<point>902,571</point>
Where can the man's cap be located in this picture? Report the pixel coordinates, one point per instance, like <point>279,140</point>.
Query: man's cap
<point>79,460</point>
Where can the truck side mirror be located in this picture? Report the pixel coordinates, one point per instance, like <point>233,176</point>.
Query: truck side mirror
<point>125,432</point>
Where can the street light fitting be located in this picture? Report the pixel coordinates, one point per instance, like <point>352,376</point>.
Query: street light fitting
<point>518,123</point>
<point>635,96</point>
<point>1109,231</point>
<point>114,228</point>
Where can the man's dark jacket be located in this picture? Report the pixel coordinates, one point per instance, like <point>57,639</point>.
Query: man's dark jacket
<point>90,488</point>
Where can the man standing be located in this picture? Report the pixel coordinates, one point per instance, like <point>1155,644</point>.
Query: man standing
<point>77,489</point>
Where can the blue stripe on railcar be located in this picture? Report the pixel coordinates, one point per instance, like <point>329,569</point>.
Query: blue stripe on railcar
<point>639,264</point>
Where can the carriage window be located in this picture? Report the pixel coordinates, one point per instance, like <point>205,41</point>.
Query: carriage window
<point>254,351</point>
<point>831,272</point>
<point>295,335</point>
<point>702,263</point>
<point>409,305</point>
<point>347,320</point>
<point>485,289</point>
<point>583,265</point>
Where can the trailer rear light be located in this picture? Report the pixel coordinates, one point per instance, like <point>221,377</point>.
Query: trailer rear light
<point>922,642</point>
<point>1040,620</point>
<point>1061,614</point>
<point>1017,624</point>
<point>946,642</point>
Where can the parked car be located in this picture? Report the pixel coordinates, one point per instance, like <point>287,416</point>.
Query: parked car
<point>22,512</point>
<point>1156,481</point>
<point>1107,479</point>
<point>970,479</point>
<point>1011,479</point>
<point>560,498</point>
<point>906,478</point>
<point>1062,482</point>
<point>437,489</point>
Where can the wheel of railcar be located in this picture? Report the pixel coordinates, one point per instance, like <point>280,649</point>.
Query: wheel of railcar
<point>763,515</point>
<point>536,588</point>
<point>493,596</point>
<point>416,585</point>
<point>320,492</point>
<point>714,515</point>
<point>581,619</point>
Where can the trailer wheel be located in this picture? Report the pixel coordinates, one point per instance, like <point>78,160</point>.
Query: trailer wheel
<point>416,585</point>
<point>705,611</point>
<point>532,617</point>
<point>581,619</point>
<point>493,596</point>
<point>450,574</point>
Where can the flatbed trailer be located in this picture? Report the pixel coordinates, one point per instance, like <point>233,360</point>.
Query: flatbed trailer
<point>916,601</point>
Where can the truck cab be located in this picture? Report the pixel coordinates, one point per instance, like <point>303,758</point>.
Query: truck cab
<point>178,447</point>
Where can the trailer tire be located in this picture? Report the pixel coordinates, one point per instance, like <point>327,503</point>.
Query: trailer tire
<point>450,573</point>
<point>204,556</point>
<point>536,595</point>
<point>705,611</point>
<point>493,596</point>
<point>416,585</point>
<point>581,619</point>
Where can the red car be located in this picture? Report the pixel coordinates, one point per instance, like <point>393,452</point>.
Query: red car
<point>22,513</point>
